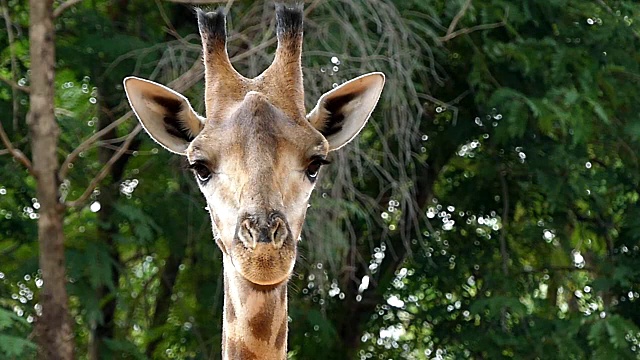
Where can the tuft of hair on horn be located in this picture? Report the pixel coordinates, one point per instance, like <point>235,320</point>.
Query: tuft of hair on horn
<point>289,21</point>
<point>213,29</point>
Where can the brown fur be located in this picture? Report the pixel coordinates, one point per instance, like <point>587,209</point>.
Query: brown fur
<point>238,350</point>
<point>258,143</point>
<point>282,335</point>
<point>281,83</point>
<point>230,314</point>
<point>260,324</point>
<point>250,150</point>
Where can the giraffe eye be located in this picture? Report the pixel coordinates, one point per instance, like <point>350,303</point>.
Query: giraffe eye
<point>201,171</point>
<point>314,167</point>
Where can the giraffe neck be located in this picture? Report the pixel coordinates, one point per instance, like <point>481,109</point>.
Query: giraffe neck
<point>254,319</point>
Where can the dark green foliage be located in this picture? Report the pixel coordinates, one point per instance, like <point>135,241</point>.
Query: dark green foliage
<point>13,342</point>
<point>531,253</point>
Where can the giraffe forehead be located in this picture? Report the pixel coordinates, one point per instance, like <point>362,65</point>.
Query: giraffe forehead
<point>259,130</point>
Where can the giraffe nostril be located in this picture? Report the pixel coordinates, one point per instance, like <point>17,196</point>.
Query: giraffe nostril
<point>255,229</point>
<point>280,232</point>
<point>246,234</point>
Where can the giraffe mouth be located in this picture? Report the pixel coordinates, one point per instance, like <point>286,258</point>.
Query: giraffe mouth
<point>264,264</point>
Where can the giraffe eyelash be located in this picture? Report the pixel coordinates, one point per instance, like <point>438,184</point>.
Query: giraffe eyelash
<point>319,159</point>
<point>201,170</point>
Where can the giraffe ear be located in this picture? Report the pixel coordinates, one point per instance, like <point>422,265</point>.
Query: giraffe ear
<point>166,115</point>
<point>342,112</point>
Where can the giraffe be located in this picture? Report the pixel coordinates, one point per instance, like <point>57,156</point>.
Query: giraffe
<point>256,156</point>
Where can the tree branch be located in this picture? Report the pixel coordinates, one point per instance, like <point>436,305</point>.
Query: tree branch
<point>17,154</point>
<point>64,169</point>
<point>547,269</point>
<point>9,249</point>
<point>471,29</point>
<point>14,62</point>
<point>64,6</point>
<point>15,85</point>
<point>458,16</point>
<point>105,170</point>
<point>604,5</point>
<point>453,34</point>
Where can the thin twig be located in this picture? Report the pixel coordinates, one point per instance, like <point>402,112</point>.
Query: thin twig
<point>17,154</point>
<point>457,18</point>
<point>14,62</point>
<point>471,29</point>
<point>64,169</point>
<point>309,9</point>
<point>64,6</point>
<point>228,6</point>
<point>165,18</point>
<point>547,269</point>
<point>9,249</point>
<point>105,170</point>
<point>15,85</point>
<point>604,5</point>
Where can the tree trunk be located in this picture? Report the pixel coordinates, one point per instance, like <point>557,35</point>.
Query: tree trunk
<point>53,328</point>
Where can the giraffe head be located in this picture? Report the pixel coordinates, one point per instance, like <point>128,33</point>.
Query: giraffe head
<point>256,154</point>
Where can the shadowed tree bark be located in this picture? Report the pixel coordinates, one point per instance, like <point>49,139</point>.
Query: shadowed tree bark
<point>53,328</point>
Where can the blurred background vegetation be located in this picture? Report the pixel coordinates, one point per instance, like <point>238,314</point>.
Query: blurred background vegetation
<point>488,210</point>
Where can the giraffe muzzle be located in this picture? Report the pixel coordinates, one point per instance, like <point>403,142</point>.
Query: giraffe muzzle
<point>255,230</point>
<point>263,250</point>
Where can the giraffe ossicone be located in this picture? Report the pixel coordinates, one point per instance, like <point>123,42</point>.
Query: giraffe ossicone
<point>256,155</point>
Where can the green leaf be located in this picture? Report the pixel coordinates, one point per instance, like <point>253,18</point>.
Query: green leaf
<point>9,318</point>
<point>618,328</point>
<point>598,110</point>
<point>13,346</point>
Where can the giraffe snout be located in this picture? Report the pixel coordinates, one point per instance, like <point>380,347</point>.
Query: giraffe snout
<point>255,229</point>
